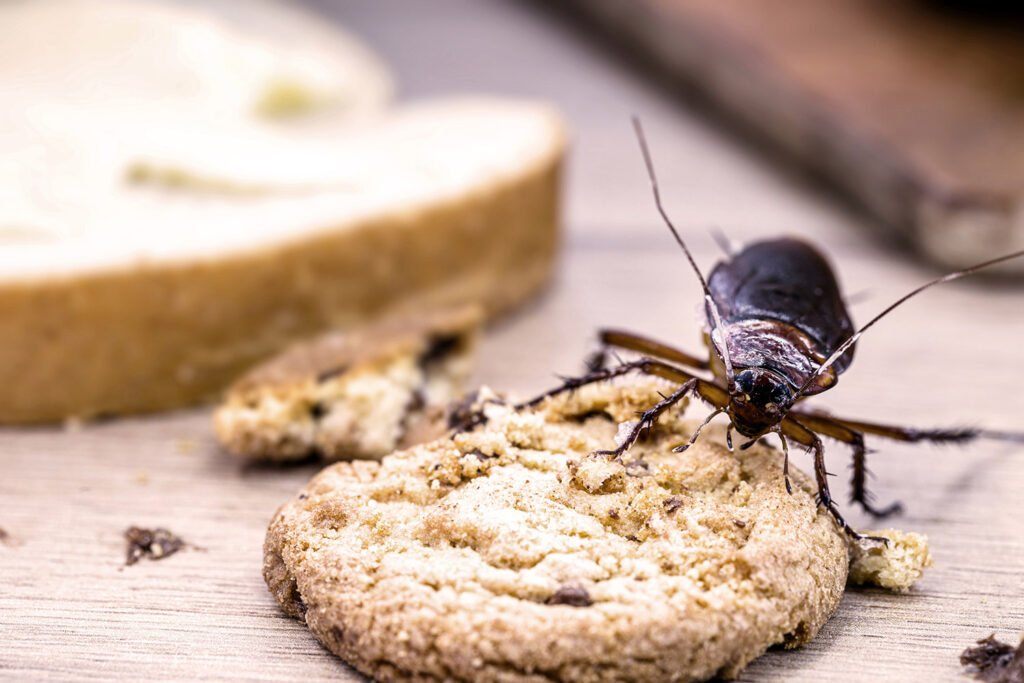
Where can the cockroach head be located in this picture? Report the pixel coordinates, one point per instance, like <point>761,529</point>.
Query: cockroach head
<point>758,400</point>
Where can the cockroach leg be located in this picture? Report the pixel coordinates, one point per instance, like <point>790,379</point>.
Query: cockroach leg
<point>648,418</point>
<point>707,391</point>
<point>909,434</point>
<point>696,433</point>
<point>728,437</point>
<point>650,347</point>
<point>597,360</point>
<point>785,461</point>
<point>843,430</point>
<point>573,383</point>
<point>825,498</point>
<point>858,490</point>
<point>803,435</point>
<point>710,392</point>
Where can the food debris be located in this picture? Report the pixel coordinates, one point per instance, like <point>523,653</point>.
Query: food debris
<point>994,661</point>
<point>895,565</point>
<point>672,503</point>
<point>154,544</point>
<point>571,594</point>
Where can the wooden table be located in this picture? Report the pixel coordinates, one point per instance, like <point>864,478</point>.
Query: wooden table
<point>70,610</point>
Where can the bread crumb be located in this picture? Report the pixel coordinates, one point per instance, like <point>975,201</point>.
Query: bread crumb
<point>896,565</point>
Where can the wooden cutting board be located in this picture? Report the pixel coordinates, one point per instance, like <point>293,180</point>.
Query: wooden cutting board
<point>915,109</point>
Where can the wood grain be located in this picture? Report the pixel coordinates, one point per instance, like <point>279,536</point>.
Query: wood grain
<point>70,611</point>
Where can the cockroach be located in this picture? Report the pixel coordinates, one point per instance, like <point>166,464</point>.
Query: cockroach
<point>777,332</point>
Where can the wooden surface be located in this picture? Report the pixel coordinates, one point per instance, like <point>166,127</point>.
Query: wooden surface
<point>911,107</point>
<point>70,611</point>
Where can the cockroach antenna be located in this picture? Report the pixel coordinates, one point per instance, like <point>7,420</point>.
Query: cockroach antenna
<point>719,344</point>
<point>784,318</point>
<point>842,348</point>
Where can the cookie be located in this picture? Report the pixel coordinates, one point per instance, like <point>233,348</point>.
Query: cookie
<point>355,394</point>
<point>509,553</point>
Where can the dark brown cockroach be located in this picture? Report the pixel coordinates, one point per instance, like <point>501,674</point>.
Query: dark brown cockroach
<point>778,332</point>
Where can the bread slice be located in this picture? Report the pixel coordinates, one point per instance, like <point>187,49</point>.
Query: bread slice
<point>154,246</point>
<point>447,202</point>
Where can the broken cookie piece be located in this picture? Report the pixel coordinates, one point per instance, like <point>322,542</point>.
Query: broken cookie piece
<point>896,565</point>
<point>354,394</point>
<point>154,544</point>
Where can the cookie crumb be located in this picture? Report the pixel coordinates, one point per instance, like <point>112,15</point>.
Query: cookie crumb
<point>995,661</point>
<point>154,544</point>
<point>481,456</point>
<point>673,503</point>
<point>598,475</point>
<point>624,432</point>
<point>571,594</point>
<point>896,565</point>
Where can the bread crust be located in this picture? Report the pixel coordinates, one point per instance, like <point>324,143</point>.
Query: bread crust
<point>155,336</point>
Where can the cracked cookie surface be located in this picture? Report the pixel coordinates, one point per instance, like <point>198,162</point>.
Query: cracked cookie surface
<point>509,554</point>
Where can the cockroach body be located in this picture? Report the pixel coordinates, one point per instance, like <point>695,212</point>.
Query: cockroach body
<point>777,332</point>
<point>782,315</point>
